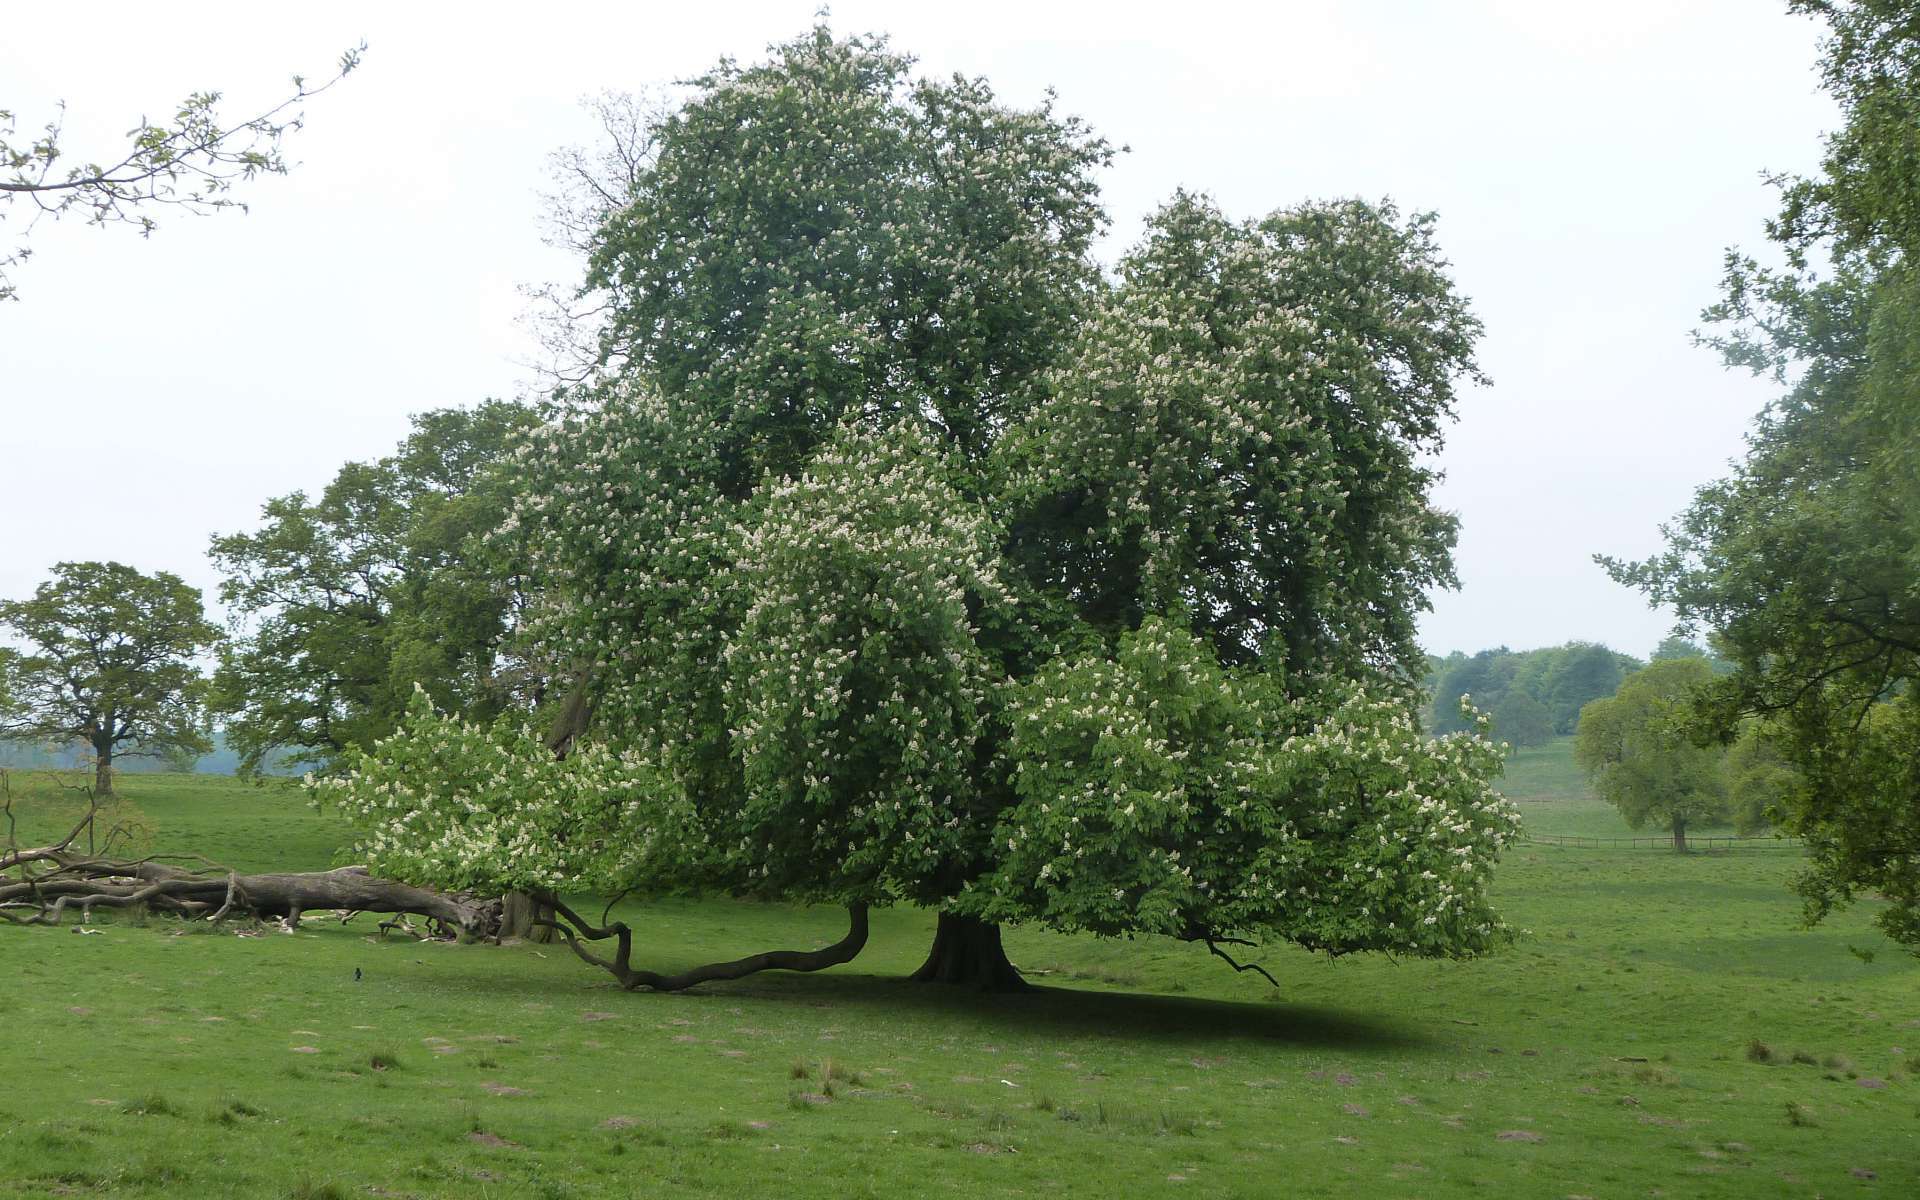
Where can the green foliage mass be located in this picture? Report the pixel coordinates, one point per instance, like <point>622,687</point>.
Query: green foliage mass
<point>902,555</point>
<point>382,583</point>
<point>1560,679</point>
<point>1237,438</point>
<point>1763,785</point>
<point>1521,720</point>
<point>109,661</point>
<point>1159,792</point>
<point>823,235</point>
<point>1803,562</point>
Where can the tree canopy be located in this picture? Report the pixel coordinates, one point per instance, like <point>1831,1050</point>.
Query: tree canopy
<point>384,582</point>
<point>1802,562</point>
<point>110,661</point>
<point>905,558</point>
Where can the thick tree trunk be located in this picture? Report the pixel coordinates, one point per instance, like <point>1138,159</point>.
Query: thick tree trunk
<point>1680,837</point>
<point>967,951</point>
<point>103,772</point>
<point>526,917</point>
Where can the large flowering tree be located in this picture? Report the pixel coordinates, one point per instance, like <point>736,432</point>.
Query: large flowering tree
<point>904,558</point>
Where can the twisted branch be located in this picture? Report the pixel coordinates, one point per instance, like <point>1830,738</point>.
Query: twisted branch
<point>573,927</point>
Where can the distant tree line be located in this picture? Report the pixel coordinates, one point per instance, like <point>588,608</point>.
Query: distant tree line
<point>1532,695</point>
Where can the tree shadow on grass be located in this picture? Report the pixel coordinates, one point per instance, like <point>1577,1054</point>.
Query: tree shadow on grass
<point>1073,1012</point>
<point>1056,1012</point>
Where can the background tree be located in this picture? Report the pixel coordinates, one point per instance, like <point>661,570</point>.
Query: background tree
<point>188,163</point>
<point>1483,679</point>
<point>1763,787</point>
<point>110,662</point>
<point>1578,673</point>
<point>1802,562</point>
<point>385,582</point>
<point>1638,752</point>
<point>1676,646</point>
<point>1522,720</point>
<point>913,563</point>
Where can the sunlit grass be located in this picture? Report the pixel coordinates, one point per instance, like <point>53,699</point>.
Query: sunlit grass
<point>1608,1053</point>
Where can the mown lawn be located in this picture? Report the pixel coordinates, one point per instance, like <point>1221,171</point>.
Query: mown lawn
<point>1606,1054</point>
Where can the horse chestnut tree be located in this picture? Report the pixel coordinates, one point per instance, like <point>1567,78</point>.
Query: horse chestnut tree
<point>906,557</point>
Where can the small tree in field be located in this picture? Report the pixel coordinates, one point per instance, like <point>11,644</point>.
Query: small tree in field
<point>907,559</point>
<point>1636,749</point>
<point>110,663</point>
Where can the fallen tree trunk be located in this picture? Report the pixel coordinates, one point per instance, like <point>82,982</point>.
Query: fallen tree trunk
<point>65,880</point>
<point>39,883</point>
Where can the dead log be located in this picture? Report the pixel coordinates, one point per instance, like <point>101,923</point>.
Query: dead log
<point>39,883</point>
<point>66,880</point>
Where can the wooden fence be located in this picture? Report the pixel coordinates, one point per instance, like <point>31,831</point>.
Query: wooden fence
<point>1666,843</point>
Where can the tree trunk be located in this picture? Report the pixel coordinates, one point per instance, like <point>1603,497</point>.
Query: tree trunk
<point>103,772</point>
<point>519,914</point>
<point>967,951</point>
<point>1679,837</point>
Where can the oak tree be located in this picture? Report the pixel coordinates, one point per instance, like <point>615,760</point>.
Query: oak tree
<point>111,659</point>
<point>1639,753</point>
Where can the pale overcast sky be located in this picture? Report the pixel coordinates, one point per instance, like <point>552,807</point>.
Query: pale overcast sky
<point>1589,163</point>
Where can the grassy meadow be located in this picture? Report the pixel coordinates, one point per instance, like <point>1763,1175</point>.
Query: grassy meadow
<point>1662,1028</point>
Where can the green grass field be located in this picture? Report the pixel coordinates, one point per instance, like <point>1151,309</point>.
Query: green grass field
<point>1609,1053</point>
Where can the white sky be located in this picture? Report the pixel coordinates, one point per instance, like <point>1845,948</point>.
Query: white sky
<point>1589,164</point>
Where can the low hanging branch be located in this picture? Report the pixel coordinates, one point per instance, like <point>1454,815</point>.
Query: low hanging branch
<point>1213,943</point>
<point>39,884</point>
<point>572,926</point>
